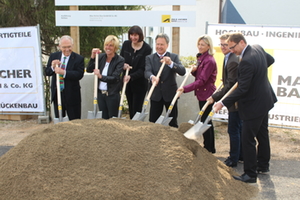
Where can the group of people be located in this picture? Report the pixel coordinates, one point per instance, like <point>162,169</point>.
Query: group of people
<point>248,104</point>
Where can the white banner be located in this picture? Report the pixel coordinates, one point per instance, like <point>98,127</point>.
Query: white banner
<point>283,43</point>
<point>122,2</point>
<point>126,18</point>
<point>21,81</point>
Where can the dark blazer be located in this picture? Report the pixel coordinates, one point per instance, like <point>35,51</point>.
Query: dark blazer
<point>167,85</point>
<point>114,73</point>
<point>254,93</point>
<point>137,81</point>
<point>74,72</point>
<point>229,78</point>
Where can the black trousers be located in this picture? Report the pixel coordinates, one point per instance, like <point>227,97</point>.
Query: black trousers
<point>135,100</point>
<point>209,135</point>
<point>252,130</point>
<point>157,108</point>
<point>73,110</point>
<point>109,105</point>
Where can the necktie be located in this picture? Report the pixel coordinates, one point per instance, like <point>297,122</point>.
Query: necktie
<point>61,77</point>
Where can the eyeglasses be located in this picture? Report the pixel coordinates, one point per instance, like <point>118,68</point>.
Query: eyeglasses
<point>233,46</point>
<point>223,45</point>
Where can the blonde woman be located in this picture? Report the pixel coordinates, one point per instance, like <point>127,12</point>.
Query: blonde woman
<point>204,85</point>
<point>109,76</point>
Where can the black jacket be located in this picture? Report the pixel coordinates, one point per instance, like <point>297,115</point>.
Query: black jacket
<point>74,72</point>
<point>254,93</point>
<point>114,73</point>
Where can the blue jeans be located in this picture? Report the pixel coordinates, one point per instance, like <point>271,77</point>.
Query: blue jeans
<point>235,134</point>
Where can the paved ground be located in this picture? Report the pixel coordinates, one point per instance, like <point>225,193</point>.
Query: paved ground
<point>282,182</point>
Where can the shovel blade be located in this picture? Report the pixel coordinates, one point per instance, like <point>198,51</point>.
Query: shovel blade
<point>164,120</point>
<point>64,119</point>
<point>196,131</point>
<point>191,122</point>
<point>93,115</point>
<point>140,116</point>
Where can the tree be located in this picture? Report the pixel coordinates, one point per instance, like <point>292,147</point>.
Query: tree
<point>32,12</point>
<point>14,13</point>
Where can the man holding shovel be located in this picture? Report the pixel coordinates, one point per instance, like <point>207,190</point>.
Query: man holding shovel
<point>166,86</point>
<point>229,78</point>
<point>70,67</point>
<point>255,98</point>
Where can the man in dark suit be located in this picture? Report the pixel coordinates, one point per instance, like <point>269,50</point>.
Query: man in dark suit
<point>166,87</point>
<point>255,98</point>
<point>229,78</point>
<point>71,68</point>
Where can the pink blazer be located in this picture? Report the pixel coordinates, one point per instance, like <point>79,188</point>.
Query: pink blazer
<point>205,77</point>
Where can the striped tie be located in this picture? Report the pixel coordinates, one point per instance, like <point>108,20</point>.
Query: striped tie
<point>61,77</point>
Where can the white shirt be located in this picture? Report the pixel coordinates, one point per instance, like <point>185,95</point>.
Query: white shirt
<point>103,85</point>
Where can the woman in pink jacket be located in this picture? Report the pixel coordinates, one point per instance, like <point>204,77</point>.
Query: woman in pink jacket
<point>204,85</point>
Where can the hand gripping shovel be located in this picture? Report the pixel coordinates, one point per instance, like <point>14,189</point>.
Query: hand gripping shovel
<point>94,114</point>
<point>122,95</point>
<point>165,120</point>
<point>198,129</point>
<point>59,106</point>
<point>141,116</point>
<point>204,107</point>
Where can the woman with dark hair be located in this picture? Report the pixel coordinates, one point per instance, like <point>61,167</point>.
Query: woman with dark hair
<point>134,50</point>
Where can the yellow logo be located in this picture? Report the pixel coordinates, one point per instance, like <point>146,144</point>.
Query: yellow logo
<point>166,18</point>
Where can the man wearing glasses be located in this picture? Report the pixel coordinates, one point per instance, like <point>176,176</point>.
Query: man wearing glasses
<point>255,98</point>
<point>229,78</point>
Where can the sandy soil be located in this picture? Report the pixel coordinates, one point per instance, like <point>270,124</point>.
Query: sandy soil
<point>285,143</point>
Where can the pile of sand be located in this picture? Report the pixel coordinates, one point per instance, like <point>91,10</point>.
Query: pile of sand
<point>115,159</point>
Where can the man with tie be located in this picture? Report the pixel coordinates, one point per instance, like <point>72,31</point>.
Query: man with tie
<point>166,87</point>
<point>255,98</point>
<point>70,67</point>
<point>229,78</point>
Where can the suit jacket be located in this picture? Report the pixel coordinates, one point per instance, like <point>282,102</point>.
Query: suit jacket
<point>167,86</point>
<point>205,77</point>
<point>137,59</point>
<point>74,72</point>
<point>114,73</point>
<point>229,78</point>
<point>254,94</point>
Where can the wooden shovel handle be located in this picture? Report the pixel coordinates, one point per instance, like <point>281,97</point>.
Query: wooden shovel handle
<point>96,77</point>
<point>124,86</point>
<point>182,84</point>
<point>230,91</point>
<point>154,85</point>
<point>58,89</point>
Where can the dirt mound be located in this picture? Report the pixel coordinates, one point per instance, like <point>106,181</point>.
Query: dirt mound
<point>114,159</point>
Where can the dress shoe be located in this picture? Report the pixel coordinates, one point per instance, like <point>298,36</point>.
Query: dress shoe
<point>262,170</point>
<point>245,178</point>
<point>229,163</point>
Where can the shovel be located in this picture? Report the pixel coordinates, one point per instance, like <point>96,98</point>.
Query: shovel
<point>59,106</point>
<point>122,95</point>
<point>204,107</point>
<point>165,120</point>
<point>141,116</point>
<point>94,114</point>
<point>199,128</point>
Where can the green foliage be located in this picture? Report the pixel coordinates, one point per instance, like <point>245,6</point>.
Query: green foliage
<point>15,13</point>
<point>187,61</point>
<point>32,12</point>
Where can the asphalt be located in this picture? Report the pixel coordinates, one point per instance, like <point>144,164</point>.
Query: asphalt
<point>281,183</point>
